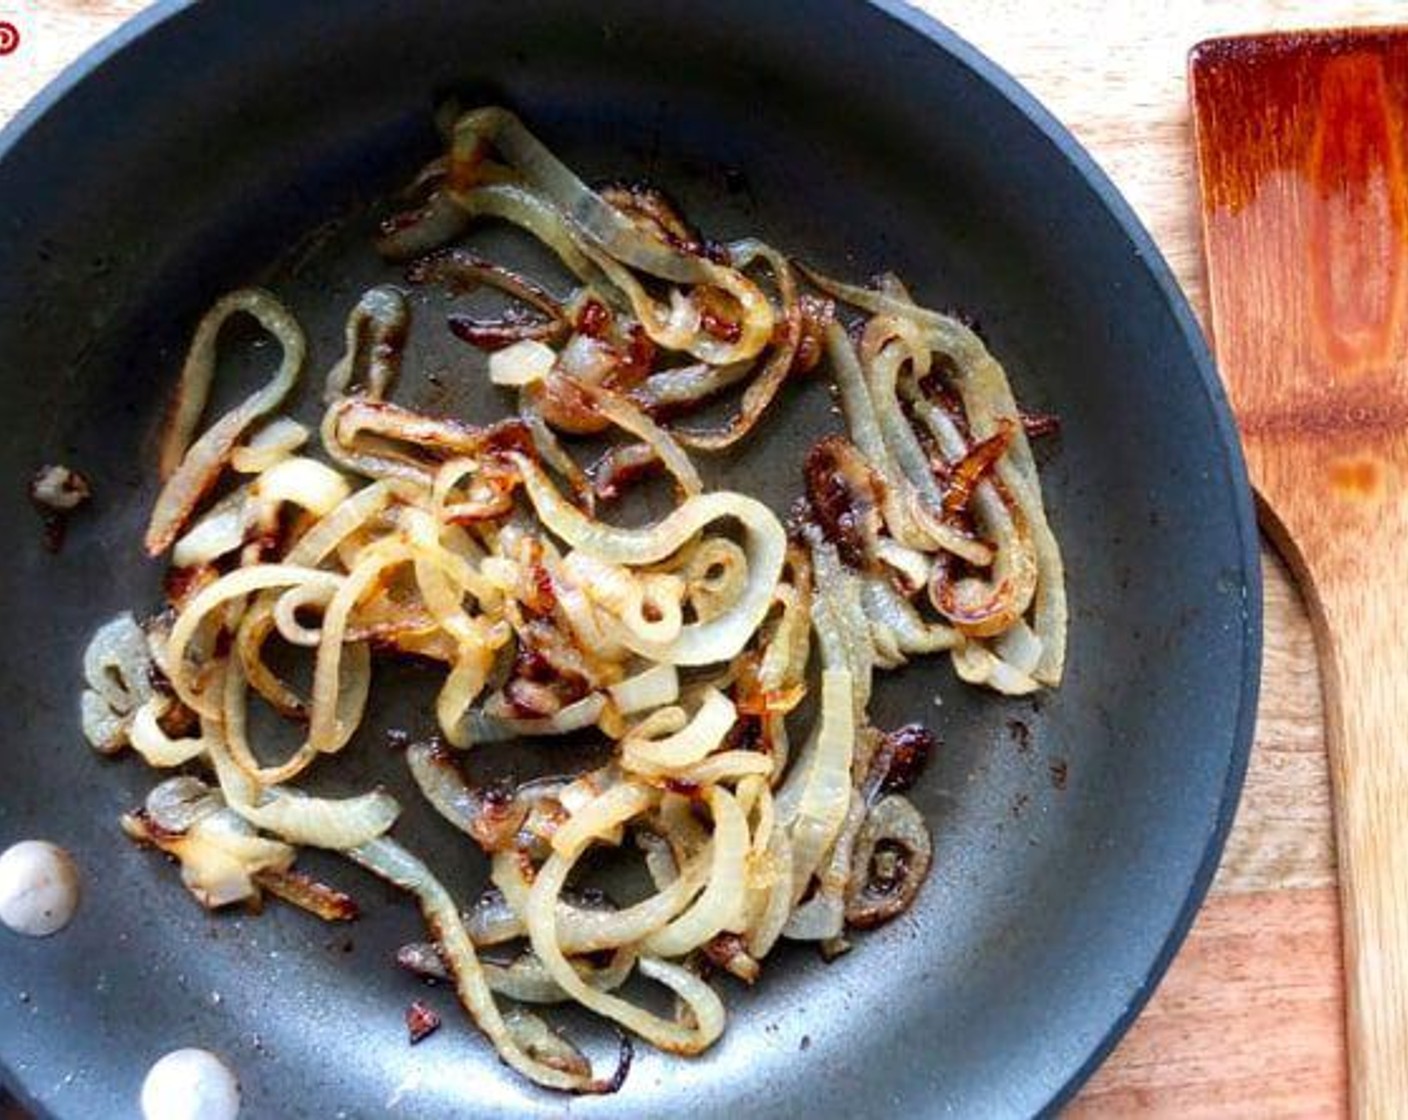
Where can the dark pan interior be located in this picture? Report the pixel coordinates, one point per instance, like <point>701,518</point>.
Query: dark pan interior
<point>1074,835</point>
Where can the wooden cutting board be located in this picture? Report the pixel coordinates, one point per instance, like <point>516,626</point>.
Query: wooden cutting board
<point>1248,1021</point>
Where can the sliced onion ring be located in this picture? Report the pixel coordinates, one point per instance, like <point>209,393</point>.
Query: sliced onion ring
<point>894,832</point>
<point>190,472</point>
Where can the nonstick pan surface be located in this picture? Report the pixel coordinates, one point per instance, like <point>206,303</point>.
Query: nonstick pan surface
<point>214,144</point>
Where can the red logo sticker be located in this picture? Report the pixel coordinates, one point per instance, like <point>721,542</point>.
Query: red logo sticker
<point>9,38</point>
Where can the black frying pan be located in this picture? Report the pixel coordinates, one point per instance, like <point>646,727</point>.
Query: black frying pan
<point>1075,836</point>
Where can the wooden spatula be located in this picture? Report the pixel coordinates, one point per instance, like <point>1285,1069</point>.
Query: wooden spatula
<point>1303,153</point>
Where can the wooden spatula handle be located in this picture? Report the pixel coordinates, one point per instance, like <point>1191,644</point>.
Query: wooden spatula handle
<point>1366,630</point>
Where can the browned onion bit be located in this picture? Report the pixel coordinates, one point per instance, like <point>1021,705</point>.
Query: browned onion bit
<point>728,952</point>
<point>56,492</point>
<point>890,863</point>
<point>887,866</point>
<point>997,611</point>
<point>653,213</point>
<point>490,815</point>
<point>495,334</point>
<point>541,597</point>
<point>594,319</point>
<point>637,356</point>
<point>990,616</point>
<point>499,821</point>
<point>435,222</point>
<point>1038,424</point>
<point>459,271</point>
<point>883,897</point>
<point>442,436</point>
<point>718,315</point>
<point>551,660</point>
<point>566,408</point>
<point>421,1021</point>
<point>903,753</point>
<point>625,1056</point>
<point>817,312</point>
<point>746,734</point>
<point>307,893</point>
<point>177,721</point>
<point>845,494</point>
<point>181,585</point>
<point>976,465</point>
<point>621,467</point>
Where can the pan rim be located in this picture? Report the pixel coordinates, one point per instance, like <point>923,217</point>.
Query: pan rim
<point>936,35</point>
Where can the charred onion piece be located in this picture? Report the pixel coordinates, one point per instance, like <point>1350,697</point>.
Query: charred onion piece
<point>460,271</point>
<point>845,495</point>
<point>307,893</point>
<point>901,757</point>
<point>1038,424</point>
<point>421,1022</point>
<point>56,492</point>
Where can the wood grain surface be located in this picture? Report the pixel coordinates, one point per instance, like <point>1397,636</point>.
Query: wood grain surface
<point>1249,1019</point>
<point>1305,213</point>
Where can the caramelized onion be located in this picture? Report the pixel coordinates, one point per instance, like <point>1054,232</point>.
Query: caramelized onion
<point>845,496</point>
<point>373,341</point>
<point>191,469</point>
<point>780,363</point>
<point>892,856</point>
<point>541,619</point>
<point>611,240</point>
<point>460,271</point>
<point>393,863</point>
<point>490,816</point>
<point>701,642</point>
